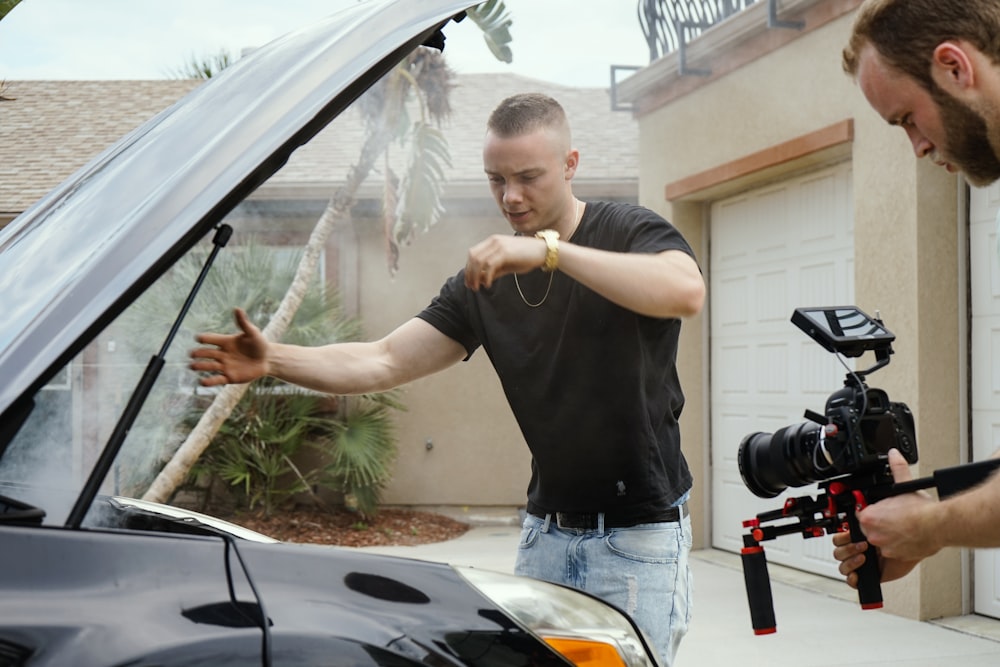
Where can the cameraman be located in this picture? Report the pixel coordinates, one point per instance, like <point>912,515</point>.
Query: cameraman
<point>931,67</point>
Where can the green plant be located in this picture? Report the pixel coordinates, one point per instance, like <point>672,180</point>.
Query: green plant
<point>363,449</point>
<point>6,6</point>
<point>259,448</point>
<point>256,448</point>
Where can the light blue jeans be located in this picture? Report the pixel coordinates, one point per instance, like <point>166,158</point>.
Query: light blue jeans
<point>643,570</point>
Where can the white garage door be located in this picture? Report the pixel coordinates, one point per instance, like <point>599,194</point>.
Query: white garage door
<point>984,269</point>
<point>772,250</point>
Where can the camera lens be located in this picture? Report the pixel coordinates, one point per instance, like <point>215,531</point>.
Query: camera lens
<point>771,463</point>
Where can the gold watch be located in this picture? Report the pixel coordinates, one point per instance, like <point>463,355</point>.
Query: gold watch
<point>551,238</point>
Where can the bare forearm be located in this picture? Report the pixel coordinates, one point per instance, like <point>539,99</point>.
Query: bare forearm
<point>970,519</point>
<point>414,350</point>
<point>668,284</point>
<point>341,369</point>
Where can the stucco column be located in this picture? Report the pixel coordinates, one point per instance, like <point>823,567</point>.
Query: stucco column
<point>692,368</point>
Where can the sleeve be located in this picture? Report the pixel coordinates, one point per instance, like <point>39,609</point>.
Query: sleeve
<point>649,232</point>
<point>449,313</point>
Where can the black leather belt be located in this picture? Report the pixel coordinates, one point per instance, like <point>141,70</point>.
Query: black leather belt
<point>612,520</point>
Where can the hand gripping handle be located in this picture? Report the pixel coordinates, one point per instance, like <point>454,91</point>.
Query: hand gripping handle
<point>869,576</point>
<point>758,590</point>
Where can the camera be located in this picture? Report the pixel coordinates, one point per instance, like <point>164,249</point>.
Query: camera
<point>860,424</point>
<point>844,450</point>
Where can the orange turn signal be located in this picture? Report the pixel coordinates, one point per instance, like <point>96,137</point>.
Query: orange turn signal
<point>586,653</point>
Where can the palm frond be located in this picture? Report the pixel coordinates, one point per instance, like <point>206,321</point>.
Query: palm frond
<point>493,19</point>
<point>361,454</point>
<point>418,205</point>
<point>6,6</point>
<point>250,276</point>
<point>203,68</point>
<point>434,80</point>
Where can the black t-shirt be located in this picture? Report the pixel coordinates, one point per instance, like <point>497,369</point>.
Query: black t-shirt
<point>593,386</point>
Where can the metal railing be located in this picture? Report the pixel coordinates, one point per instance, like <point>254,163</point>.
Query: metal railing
<point>669,24</point>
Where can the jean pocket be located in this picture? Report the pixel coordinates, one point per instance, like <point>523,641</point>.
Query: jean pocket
<point>648,544</point>
<point>529,534</point>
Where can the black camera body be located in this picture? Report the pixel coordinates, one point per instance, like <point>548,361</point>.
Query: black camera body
<point>860,424</point>
<point>859,428</point>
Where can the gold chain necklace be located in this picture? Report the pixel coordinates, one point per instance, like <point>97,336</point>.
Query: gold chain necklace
<point>528,303</point>
<point>551,275</point>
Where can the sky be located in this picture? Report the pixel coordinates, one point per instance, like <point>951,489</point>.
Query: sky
<point>572,42</point>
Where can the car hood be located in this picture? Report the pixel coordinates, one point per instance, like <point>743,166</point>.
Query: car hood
<point>76,258</point>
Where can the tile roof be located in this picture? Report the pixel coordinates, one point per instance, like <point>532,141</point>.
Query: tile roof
<point>49,129</point>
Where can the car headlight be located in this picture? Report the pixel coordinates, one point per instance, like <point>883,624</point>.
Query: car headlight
<point>580,627</point>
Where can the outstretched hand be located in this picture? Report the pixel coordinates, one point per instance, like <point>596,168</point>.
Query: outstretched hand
<point>233,358</point>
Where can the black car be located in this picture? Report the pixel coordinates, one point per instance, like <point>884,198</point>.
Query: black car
<point>89,577</point>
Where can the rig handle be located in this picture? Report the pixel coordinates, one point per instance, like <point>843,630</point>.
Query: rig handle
<point>869,576</point>
<point>758,590</point>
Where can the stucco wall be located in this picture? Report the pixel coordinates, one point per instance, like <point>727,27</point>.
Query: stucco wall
<point>478,455</point>
<point>906,245</point>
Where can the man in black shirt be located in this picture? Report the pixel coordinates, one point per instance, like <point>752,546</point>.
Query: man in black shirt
<point>579,311</point>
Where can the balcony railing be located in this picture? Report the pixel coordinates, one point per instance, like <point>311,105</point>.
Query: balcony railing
<point>669,24</point>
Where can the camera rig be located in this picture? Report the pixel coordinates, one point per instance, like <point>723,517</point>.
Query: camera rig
<point>844,451</point>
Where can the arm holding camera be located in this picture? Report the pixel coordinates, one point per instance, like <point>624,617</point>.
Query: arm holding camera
<point>907,528</point>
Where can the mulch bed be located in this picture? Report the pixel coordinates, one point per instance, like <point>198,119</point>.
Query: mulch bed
<point>339,526</point>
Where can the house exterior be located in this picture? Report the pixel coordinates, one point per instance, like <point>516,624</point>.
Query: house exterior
<point>792,191</point>
<point>458,442</point>
<point>796,193</point>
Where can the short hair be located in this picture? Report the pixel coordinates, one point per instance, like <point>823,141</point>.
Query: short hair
<point>906,32</point>
<point>527,112</point>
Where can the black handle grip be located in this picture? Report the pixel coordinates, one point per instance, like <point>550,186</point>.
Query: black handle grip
<point>956,479</point>
<point>758,590</point>
<point>869,576</point>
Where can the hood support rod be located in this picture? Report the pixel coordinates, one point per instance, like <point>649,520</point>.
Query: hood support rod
<point>141,393</point>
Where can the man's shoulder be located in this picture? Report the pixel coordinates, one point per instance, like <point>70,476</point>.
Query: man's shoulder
<point>625,214</point>
<point>622,208</point>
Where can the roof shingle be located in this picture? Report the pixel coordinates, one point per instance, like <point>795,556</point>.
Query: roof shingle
<point>50,129</point>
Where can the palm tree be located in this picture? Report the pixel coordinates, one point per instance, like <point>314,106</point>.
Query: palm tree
<point>411,203</point>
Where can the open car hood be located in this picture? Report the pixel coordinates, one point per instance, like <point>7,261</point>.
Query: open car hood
<point>72,262</point>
